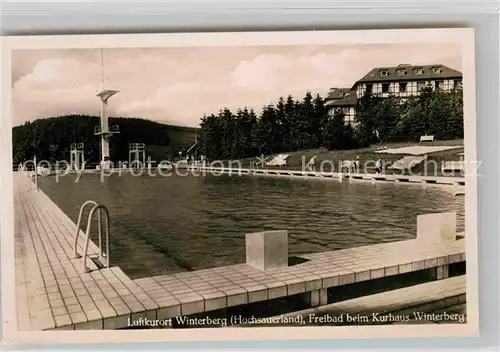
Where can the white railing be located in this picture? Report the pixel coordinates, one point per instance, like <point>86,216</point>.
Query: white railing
<point>100,209</point>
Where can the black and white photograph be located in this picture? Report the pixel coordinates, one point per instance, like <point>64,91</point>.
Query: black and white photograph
<point>185,184</point>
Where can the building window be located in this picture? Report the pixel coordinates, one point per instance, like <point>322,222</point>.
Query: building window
<point>436,70</point>
<point>419,71</point>
<point>439,85</point>
<point>420,86</point>
<point>401,73</point>
<point>369,88</point>
<point>448,85</point>
<point>402,87</point>
<point>361,90</point>
<point>385,87</point>
<point>384,73</point>
<point>349,115</point>
<point>457,84</point>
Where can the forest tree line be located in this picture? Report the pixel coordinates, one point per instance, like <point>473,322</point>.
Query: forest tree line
<point>289,125</point>
<point>51,138</point>
<point>292,125</point>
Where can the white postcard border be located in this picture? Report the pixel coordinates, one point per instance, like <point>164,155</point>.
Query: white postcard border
<point>463,36</point>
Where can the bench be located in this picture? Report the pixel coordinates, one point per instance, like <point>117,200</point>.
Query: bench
<point>426,138</point>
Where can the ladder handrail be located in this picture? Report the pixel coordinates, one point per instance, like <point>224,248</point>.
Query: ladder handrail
<point>87,239</point>
<point>75,245</point>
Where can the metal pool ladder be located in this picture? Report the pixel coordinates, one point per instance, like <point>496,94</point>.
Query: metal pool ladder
<point>99,208</point>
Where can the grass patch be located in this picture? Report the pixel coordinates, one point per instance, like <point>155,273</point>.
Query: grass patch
<point>297,159</point>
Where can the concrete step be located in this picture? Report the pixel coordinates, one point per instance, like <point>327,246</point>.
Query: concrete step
<point>410,304</point>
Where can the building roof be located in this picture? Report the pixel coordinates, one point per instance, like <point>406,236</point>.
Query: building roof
<point>405,72</point>
<point>340,97</point>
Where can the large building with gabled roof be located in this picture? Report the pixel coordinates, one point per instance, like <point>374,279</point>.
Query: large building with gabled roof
<point>342,99</point>
<point>399,81</point>
<point>407,80</point>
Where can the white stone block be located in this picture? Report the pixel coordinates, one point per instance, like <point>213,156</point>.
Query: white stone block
<point>442,272</point>
<point>267,250</point>
<point>437,227</point>
<point>317,297</point>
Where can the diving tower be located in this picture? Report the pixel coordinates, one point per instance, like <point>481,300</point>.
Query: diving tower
<point>104,130</point>
<point>137,155</point>
<point>188,156</point>
<point>77,158</point>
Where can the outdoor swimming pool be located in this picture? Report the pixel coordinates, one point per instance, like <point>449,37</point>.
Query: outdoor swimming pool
<point>171,224</point>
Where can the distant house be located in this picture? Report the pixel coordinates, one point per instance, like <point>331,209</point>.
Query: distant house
<point>344,100</point>
<point>399,81</point>
<point>407,80</point>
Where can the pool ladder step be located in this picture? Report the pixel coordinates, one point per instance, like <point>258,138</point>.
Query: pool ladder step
<point>104,257</point>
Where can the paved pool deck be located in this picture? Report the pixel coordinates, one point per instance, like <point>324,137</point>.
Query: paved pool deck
<point>53,292</point>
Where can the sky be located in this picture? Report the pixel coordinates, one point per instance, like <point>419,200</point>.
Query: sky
<point>179,85</point>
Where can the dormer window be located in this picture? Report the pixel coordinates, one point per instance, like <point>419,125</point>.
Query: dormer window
<point>401,73</point>
<point>436,70</point>
<point>419,71</point>
<point>384,73</point>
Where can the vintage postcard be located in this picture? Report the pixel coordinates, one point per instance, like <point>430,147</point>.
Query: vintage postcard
<point>215,186</point>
